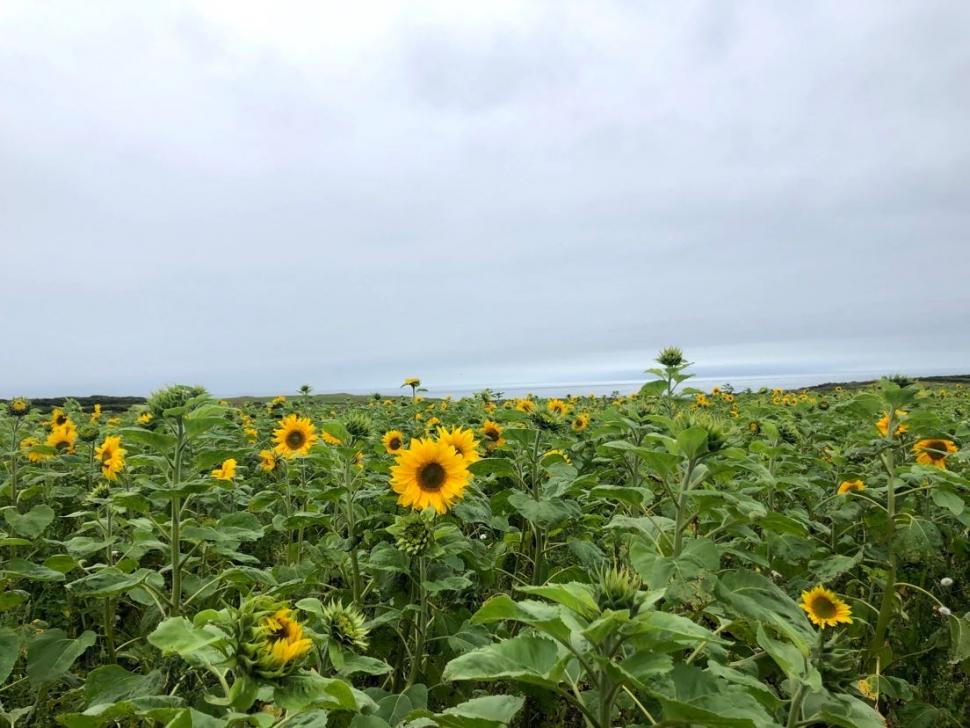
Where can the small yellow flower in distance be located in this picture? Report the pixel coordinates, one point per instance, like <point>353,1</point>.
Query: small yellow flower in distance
<point>111,456</point>
<point>393,441</point>
<point>934,452</point>
<point>493,435</point>
<point>144,418</point>
<point>558,407</point>
<point>227,471</point>
<point>525,405</point>
<point>331,439</point>
<point>847,486</point>
<point>883,424</point>
<point>268,461</point>
<point>824,608</point>
<point>580,422</point>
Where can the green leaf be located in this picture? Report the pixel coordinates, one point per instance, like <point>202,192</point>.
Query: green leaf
<point>544,513</point>
<point>179,635</point>
<point>51,654</point>
<point>757,599</point>
<point>491,711</point>
<point>113,683</point>
<point>29,570</point>
<point>693,696</point>
<point>525,658</point>
<point>572,595</point>
<point>946,498</point>
<point>9,652</point>
<point>490,466</point>
<point>546,617</point>
<point>654,388</point>
<point>692,442</point>
<point>107,582</point>
<point>31,524</point>
<point>792,662</point>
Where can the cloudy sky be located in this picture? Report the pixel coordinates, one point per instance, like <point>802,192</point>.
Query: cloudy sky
<point>252,196</point>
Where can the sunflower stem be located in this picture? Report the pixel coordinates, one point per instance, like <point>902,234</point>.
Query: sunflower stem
<point>889,586</point>
<point>175,535</point>
<point>13,465</point>
<point>421,626</point>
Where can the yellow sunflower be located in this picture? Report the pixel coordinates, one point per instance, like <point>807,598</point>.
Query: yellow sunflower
<point>284,638</point>
<point>393,441</point>
<point>934,452</point>
<point>58,418</point>
<point>463,440</point>
<point>295,436</point>
<point>227,471</point>
<point>268,460</point>
<point>493,435</point>
<point>883,424</point>
<point>849,485</point>
<point>331,439</point>
<point>27,446</point>
<point>581,422</point>
<point>96,413</point>
<point>144,418</point>
<point>557,407</point>
<point>429,473</point>
<point>111,456</point>
<point>412,382</point>
<point>825,608</point>
<point>525,405</point>
<point>62,438</point>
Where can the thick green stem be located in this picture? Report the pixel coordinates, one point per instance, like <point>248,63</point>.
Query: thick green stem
<point>14,453</point>
<point>352,535</point>
<point>175,535</point>
<point>681,521</point>
<point>887,605</point>
<point>417,657</point>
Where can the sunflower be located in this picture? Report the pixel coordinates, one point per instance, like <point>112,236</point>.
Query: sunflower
<point>252,434</point>
<point>58,418</point>
<point>557,407</point>
<point>825,608</point>
<point>847,486</point>
<point>27,446</point>
<point>295,436</point>
<point>934,452</point>
<point>144,418</point>
<point>111,456</point>
<point>883,424</point>
<point>96,413</point>
<point>331,439</point>
<point>63,438</point>
<point>284,638</point>
<point>581,422</point>
<point>268,460</point>
<point>463,440</point>
<point>227,471</point>
<point>412,382</point>
<point>429,473</point>
<point>18,407</point>
<point>493,435</point>
<point>525,405</point>
<point>393,441</point>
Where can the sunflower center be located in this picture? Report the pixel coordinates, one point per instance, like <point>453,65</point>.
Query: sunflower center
<point>106,457</point>
<point>936,449</point>
<point>823,608</point>
<point>395,443</point>
<point>431,476</point>
<point>295,439</point>
<point>491,434</point>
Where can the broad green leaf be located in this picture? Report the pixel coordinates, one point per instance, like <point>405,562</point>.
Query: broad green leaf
<point>51,654</point>
<point>9,652</point>
<point>572,595</point>
<point>525,658</point>
<point>31,524</point>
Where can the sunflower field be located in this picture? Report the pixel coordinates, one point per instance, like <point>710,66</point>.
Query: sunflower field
<point>674,557</point>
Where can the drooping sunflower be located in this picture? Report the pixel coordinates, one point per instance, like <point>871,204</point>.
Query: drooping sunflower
<point>268,460</point>
<point>227,471</point>
<point>825,608</point>
<point>493,435</point>
<point>847,486</point>
<point>393,441</point>
<point>62,438</point>
<point>934,452</point>
<point>580,422</point>
<point>429,473</point>
<point>412,382</point>
<point>463,440</point>
<point>111,456</point>
<point>295,436</point>
<point>331,439</point>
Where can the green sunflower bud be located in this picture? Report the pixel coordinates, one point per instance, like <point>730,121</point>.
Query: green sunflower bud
<point>671,356</point>
<point>345,625</point>
<point>171,398</point>
<point>88,432</point>
<point>618,589</point>
<point>789,432</point>
<point>358,425</point>
<point>413,533</point>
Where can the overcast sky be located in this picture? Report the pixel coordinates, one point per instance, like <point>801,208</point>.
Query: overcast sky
<point>251,196</point>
